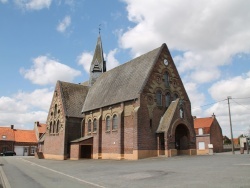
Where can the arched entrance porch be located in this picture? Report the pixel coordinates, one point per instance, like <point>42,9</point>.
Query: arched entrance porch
<point>182,139</point>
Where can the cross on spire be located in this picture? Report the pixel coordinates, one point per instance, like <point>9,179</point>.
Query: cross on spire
<point>99,28</point>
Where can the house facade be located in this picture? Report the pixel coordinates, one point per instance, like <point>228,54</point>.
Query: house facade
<point>139,109</point>
<point>7,138</point>
<point>208,131</point>
<point>23,142</point>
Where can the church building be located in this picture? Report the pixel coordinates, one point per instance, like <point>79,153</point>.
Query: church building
<point>137,110</point>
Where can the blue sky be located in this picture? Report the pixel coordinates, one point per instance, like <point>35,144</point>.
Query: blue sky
<point>42,41</point>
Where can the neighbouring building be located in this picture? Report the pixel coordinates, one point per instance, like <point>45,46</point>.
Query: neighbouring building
<point>7,138</point>
<point>208,131</point>
<point>139,109</point>
<point>23,142</point>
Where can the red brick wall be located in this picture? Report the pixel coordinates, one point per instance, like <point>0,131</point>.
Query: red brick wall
<point>205,139</point>
<point>54,144</point>
<point>216,136</point>
<point>9,145</point>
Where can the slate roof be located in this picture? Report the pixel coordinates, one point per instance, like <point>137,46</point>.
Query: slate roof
<point>166,119</point>
<point>122,83</point>
<point>203,122</point>
<point>8,132</point>
<point>81,139</point>
<point>25,136</point>
<point>73,97</point>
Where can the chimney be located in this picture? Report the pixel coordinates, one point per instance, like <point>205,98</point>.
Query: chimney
<point>12,126</point>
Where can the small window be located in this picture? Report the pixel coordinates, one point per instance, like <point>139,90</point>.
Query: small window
<point>150,123</point>
<point>94,125</point>
<point>159,98</point>
<point>108,123</point>
<point>166,79</point>
<point>32,150</point>
<point>89,126</point>
<point>201,145</point>
<point>4,137</point>
<point>55,110</point>
<point>167,97</point>
<point>200,131</point>
<point>115,122</point>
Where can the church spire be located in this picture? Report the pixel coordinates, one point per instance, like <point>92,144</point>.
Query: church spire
<point>98,65</point>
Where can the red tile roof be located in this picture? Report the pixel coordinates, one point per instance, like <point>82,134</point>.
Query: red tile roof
<point>8,132</point>
<point>41,128</point>
<point>203,122</point>
<point>25,136</point>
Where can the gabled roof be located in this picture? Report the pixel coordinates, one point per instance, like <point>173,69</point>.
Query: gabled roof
<point>8,133</point>
<point>122,83</point>
<point>203,122</point>
<point>73,97</point>
<point>41,128</point>
<point>166,119</point>
<point>25,136</point>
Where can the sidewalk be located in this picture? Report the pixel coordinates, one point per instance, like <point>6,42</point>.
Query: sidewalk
<point>4,183</point>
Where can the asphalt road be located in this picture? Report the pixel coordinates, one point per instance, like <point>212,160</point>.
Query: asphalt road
<point>219,170</point>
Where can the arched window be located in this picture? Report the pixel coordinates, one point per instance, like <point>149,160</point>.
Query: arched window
<point>115,122</point>
<point>168,99</point>
<point>166,79</point>
<point>89,126</point>
<point>158,98</point>
<point>108,123</point>
<point>50,127</point>
<point>57,126</point>
<point>176,96</point>
<point>54,127</point>
<point>55,110</point>
<point>181,113</point>
<point>94,125</point>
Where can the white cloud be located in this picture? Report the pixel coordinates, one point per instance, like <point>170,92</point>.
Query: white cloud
<point>111,60</point>
<point>236,87</point>
<point>48,71</point>
<point>64,24</point>
<point>39,98</point>
<point>26,107</point>
<point>33,4</point>
<point>85,60</point>
<point>209,33</point>
<point>197,99</point>
<point>231,87</point>
<point>3,1</point>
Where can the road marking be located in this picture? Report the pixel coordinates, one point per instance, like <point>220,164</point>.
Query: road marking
<point>4,179</point>
<point>243,164</point>
<point>81,180</point>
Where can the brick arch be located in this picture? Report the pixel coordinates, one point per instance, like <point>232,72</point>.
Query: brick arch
<point>182,137</point>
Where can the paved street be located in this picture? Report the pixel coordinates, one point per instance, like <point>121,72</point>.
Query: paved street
<point>219,170</point>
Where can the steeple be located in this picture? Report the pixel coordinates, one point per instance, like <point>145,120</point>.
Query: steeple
<point>98,65</point>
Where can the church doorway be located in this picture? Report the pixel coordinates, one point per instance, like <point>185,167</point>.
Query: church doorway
<point>161,144</point>
<point>182,136</point>
<point>86,151</point>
